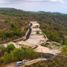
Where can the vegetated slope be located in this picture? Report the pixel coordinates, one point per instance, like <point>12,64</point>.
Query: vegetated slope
<point>12,26</point>
<point>54,25</point>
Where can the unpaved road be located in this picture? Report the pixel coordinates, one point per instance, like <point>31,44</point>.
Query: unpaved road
<point>35,39</point>
<point>34,61</point>
<point>42,49</point>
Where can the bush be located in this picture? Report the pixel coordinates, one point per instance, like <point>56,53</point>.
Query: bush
<point>65,42</point>
<point>7,58</point>
<point>10,47</point>
<point>18,54</point>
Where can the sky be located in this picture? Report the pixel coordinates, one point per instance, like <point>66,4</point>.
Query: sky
<point>36,5</point>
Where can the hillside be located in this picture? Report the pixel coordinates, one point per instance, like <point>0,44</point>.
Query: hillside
<point>13,24</point>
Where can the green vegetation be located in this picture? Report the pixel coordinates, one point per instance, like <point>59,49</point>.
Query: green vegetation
<point>12,54</point>
<point>17,54</point>
<point>9,48</point>
<point>14,23</point>
<point>65,42</point>
<point>12,26</point>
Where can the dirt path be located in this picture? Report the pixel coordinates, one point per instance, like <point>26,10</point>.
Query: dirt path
<point>42,49</point>
<point>34,61</point>
<point>36,38</point>
<point>26,63</point>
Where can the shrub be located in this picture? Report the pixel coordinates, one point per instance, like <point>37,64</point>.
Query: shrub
<point>18,54</point>
<point>10,47</point>
<point>65,42</point>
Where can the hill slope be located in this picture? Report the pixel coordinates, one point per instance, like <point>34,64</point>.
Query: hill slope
<point>13,24</point>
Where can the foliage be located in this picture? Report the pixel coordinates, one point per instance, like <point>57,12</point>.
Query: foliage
<point>9,48</point>
<point>16,54</point>
<point>15,23</point>
<point>65,42</point>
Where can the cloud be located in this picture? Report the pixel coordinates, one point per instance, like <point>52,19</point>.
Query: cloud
<point>2,1</point>
<point>61,1</point>
<point>10,1</point>
<point>21,1</point>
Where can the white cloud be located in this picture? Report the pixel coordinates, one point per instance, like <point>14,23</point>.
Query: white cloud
<point>61,1</point>
<point>34,0</point>
<point>17,1</point>
<point>2,1</point>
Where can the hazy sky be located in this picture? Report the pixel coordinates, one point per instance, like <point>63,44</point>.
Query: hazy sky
<point>36,5</point>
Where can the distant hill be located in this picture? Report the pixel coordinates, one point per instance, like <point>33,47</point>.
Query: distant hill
<point>13,24</point>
